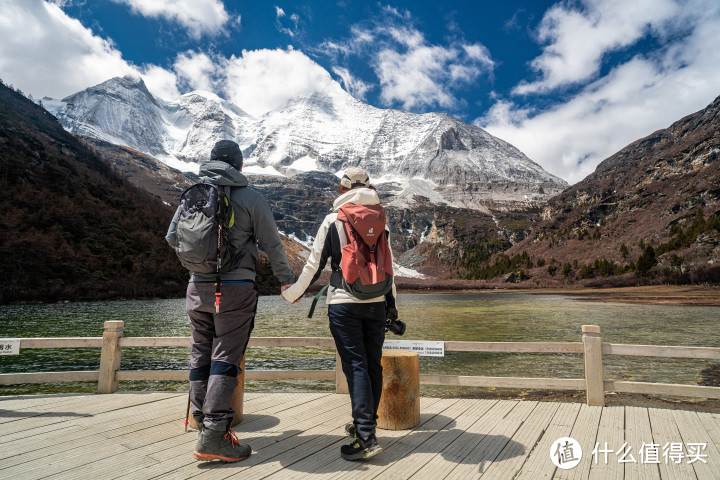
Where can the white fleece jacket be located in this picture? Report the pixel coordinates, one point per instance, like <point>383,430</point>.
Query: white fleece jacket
<point>360,196</point>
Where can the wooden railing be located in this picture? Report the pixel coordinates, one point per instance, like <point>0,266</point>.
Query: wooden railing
<point>591,347</point>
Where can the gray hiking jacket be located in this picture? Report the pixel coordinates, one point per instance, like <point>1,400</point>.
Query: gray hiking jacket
<point>254,224</point>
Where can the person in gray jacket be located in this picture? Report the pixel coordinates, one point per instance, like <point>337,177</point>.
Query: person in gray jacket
<point>219,340</point>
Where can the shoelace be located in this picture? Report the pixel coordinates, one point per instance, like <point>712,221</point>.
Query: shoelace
<point>232,438</point>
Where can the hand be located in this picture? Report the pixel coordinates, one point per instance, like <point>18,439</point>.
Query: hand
<point>285,287</point>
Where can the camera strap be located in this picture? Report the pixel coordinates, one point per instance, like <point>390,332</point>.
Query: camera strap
<point>316,299</point>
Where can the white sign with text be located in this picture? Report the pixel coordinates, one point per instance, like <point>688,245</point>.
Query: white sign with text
<point>9,346</point>
<point>422,347</point>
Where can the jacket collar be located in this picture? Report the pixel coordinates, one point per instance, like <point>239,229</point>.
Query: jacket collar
<point>221,173</point>
<point>359,196</point>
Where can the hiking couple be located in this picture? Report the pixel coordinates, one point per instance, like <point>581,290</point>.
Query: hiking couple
<point>216,232</point>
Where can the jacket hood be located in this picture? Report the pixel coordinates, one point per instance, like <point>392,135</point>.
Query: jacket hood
<point>359,196</point>
<point>221,173</point>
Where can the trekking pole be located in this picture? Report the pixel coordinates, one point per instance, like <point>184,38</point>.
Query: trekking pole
<point>187,413</point>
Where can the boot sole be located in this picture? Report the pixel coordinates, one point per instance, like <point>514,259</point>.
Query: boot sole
<point>206,457</point>
<point>363,455</point>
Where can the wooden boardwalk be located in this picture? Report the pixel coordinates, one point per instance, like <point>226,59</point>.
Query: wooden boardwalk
<point>298,435</point>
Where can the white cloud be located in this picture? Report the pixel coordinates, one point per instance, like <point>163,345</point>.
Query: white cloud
<point>46,53</point>
<point>198,16</point>
<point>634,99</point>
<point>160,82</point>
<point>353,85</point>
<point>577,39</point>
<point>197,70</point>
<point>290,27</point>
<point>261,80</point>
<point>411,72</point>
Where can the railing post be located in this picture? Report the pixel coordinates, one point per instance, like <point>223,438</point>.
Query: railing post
<point>341,385</point>
<point>110,354</point>
<point>592,346</point>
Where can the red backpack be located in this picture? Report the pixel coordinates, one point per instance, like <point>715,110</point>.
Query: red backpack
<point>366,259</point>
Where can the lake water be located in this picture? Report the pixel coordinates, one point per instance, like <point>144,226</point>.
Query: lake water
<point>454,316</point>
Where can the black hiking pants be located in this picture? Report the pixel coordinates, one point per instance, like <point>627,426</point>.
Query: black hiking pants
<point>218,343</point>
<point>359,333</point>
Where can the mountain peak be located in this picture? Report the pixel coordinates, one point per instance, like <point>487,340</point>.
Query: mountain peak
<point>122,85</point>
<point>326,130</point>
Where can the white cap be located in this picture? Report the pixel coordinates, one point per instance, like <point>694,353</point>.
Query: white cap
<point>355,177</point>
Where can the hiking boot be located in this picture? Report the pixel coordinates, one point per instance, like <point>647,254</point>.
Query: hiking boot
<point>223,446</point>
<point>350,429</point>
<point>360,449</point>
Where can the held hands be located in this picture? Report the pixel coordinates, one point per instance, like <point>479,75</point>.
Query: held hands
<point>285,287</point>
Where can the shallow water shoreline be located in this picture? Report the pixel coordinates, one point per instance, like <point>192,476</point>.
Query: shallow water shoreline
<point>690,295</point>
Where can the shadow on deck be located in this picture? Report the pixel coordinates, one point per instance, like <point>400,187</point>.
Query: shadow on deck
<point>140,435</point>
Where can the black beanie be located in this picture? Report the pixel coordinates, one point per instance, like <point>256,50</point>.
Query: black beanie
<point>227,151</point>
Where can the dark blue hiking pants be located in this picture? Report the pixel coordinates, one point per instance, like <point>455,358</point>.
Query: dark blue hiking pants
<point>359,333</point>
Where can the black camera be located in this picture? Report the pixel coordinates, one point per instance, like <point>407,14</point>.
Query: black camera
<point>392,324</point>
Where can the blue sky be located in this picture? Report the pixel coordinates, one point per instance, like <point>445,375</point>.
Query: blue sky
<point>569,83</point>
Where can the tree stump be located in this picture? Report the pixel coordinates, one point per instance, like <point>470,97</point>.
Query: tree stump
<point>237,401</point>
<point>400,401</point>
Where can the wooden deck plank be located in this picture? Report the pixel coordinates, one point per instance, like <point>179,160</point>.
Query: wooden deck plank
<point>408,443</point>
<point>693,431</point>
<point>298,435</point>
<point>610,436</point>
<point>167,450</point>
<point>164,438</point>
<point>331,452</point>
<point>538,464</point>
<point>476,463</point>
<point>637,432</point>
<point>515,453</point>
<point>456,451</point>
<point>665,431</point>
<point>86,408</point>
<point>712,425</point>
<point>585,431</point>
<point>24,402</point>
<point>264,430</point>
<point>113,423</point>
<point>387,439</point>
<point>288,451</point>
<point>78,445</point>
<point>433,447</point>
<point>116,421</point>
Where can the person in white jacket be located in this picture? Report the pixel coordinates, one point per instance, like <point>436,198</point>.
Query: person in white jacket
<point>358,326</point>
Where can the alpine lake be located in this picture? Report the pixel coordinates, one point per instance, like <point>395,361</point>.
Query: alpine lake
<point>482,316</point>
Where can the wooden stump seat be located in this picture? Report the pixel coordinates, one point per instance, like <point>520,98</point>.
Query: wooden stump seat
<point>400,401</point>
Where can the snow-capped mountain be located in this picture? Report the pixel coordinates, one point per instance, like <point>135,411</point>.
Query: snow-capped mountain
<point>433,155</point>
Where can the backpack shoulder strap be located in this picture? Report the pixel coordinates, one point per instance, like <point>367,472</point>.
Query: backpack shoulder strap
<point>340,227</point>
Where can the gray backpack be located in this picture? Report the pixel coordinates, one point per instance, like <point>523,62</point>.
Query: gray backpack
<point>206,215</point>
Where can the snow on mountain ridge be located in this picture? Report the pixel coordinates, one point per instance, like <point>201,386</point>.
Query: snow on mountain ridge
<point>325,131</point>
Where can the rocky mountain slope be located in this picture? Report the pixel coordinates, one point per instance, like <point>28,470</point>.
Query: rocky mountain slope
<point>72,227</point>
<point>431,155</point>
<point>650,210</point>
<point>85,219</point>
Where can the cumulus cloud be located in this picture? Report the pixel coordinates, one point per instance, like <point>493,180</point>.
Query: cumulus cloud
<point>646,93</point>
<point>197,70</point>
<point>577,37</point>
<point>160,82</point>
<point>261,80</point>
<point>411,72</point>
<point>198,16</point>
<point>45,52</point>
